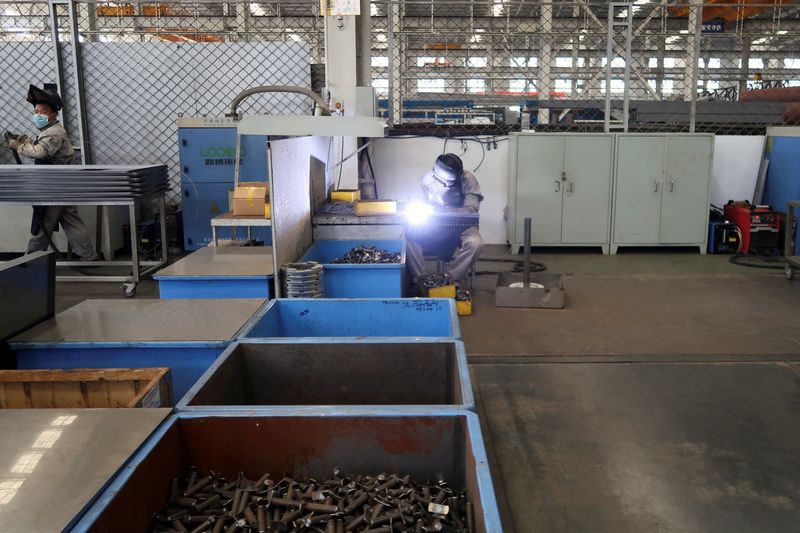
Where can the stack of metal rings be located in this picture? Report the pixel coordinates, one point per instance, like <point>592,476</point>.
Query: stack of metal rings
<point>302,280</point>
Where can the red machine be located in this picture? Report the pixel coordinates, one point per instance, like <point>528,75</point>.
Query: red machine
<point>760,225</point>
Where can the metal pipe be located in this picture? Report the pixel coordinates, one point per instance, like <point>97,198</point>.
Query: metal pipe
<point>233,112</point>
<point>365,44</point>
<point>526,271</point>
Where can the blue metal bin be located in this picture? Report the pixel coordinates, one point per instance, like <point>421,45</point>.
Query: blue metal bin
<point>189,287</point>
<point>228,272</point>
<point>387,318</point>
<point>359,280</point>
<point>184,335</point>
<point>187,360</point>
<point>423,443</point>
<point>334,373</point>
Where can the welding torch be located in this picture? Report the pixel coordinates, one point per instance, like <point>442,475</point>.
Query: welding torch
<point>17,137</point>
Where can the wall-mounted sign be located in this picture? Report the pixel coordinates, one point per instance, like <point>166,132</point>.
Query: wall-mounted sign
<point>340,8</point>
<point>713,26</point>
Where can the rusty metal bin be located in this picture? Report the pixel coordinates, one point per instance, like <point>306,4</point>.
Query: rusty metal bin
<point>420,442</point>
<point>263,373</point>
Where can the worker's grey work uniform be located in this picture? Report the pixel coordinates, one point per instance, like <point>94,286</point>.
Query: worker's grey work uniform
<point>471,240</point>
<point>52,147</point>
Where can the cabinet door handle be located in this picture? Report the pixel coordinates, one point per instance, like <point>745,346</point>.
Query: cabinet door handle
<point>671,185</point>
<point>558,186</point>
<point>571,186</point>
<point>656,189</point>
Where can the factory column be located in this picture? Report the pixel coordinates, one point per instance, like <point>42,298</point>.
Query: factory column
<point>341,76</point>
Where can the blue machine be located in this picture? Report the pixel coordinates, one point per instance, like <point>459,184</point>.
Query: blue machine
<point>208,159</point>
<point>782,185</point>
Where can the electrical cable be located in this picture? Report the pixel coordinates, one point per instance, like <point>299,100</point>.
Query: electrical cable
<point>372,172</point>
<point>741,240</point>
<point>483,157</point>
<point>352,154</point>
<point>341,166</point>
<point>518,266</point>
<point>759,261</point>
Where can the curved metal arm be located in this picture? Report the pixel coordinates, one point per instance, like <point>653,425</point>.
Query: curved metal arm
<point>233,112</point>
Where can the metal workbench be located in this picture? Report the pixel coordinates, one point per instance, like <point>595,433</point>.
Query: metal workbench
<point>229,220</point>
<point>229,272</point>
<point>130,281</point>
<point>55,461</point>
<point>792,260</point>
<point>350,226</point>
<point>344,227</point>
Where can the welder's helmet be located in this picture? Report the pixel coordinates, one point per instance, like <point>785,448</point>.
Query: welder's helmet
<point>448,169</point>
<point>42,96</point>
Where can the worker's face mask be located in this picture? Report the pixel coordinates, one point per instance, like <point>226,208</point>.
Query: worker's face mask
<point>40,120</point>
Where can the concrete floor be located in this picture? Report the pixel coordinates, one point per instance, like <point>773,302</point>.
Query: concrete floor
<point>664,397</point>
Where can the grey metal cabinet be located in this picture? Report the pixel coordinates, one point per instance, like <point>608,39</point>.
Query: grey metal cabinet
<point>563,183</point>
<point>661,190</point>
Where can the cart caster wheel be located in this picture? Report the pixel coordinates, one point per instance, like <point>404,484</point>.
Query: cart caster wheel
<point>129,290</point>
<point>788,272</point>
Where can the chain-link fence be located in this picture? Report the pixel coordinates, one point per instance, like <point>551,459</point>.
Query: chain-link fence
<point>484,67</point>
<point>442,67</point>
<point>143,65</point>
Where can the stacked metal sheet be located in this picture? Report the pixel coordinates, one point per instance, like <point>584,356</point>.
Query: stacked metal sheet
<point>80,183</point>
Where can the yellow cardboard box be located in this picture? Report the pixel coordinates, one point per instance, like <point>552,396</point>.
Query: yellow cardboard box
<point>365,208</point>
<point>464,308</point>
<point>345,195</point>
<point>251,199</point>
<point>446,291</point>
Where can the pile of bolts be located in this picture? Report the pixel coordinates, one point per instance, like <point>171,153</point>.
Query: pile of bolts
<point>368,255</point>
<point>362,504</point>
<point>434,281</point>
<point>338,208</point>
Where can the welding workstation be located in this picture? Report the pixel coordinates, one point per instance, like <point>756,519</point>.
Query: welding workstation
<point>379,266</point>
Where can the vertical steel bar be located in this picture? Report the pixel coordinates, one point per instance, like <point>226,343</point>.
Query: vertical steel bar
<point>526,271</point>
<point>365,43</point>
<point>162,208</point>
<point>396,67</point>
<point>696,24</point>
<point>80,102</point>
<point>54,34</point>
<point>134,226</point>
<point>626,102</point>
<point>609,49</point>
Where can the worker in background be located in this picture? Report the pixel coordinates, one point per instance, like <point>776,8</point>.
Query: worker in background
<point>51,147</point>
<point>454,189</point>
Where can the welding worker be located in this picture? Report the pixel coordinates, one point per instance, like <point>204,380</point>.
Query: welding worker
<point>51,147</point>
<point>451,187</point>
